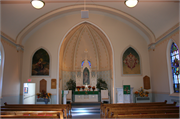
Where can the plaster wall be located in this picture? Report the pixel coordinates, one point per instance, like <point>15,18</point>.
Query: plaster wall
<point>49,35</point>
<point>11,76</point>
<point>159,70</point>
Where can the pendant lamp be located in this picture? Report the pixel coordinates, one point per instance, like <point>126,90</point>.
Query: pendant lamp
<point>38,4</point>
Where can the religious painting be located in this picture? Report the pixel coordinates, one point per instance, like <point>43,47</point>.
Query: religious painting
<point>40,63</point>
<point>131,62</point>
<point>86,79</point>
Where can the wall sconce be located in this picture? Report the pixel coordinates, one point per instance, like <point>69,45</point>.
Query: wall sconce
<point>38,4</point>
<point>131,3</point>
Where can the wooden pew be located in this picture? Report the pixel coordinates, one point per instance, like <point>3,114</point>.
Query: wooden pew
<point>65,109</point>
<point>168,115</point>
<point>19,116</point>
<point>105,108</point>
<point>118,109</point>
<point>102,105</point>
<point>34,110</point>
<point>142,111</point>
<point>67,106</point>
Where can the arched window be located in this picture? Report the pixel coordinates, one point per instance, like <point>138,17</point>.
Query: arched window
<point>0,58</point>
<point>88,63</point>
<point>174,54</point>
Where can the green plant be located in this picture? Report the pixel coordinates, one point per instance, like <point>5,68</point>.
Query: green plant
<point>101,85</point>
<point>71,85</point>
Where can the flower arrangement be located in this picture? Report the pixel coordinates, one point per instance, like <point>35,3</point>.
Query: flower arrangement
<point>83,87</point>
<point>89,86</point>
<point>78,87</point>
<point>93,88</point>
<point>141,93</point>
<point>43,94</point>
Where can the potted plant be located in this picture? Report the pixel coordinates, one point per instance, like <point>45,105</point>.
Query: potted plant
<point>83,87</point>
<point>89,88</point>
<point>93,88</point>
<point>71,85</point>
<point>101,85</point>
<point>78,88</point>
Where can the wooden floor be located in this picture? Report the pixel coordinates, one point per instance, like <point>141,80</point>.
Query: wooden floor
<point>86,110</point>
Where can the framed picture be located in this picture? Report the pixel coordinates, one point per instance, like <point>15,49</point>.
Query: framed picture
<point>25,89</point>
<point>40,63</point>
<point>53,83</point>
<point>131,62</point>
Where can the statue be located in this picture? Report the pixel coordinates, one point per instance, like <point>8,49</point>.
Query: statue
<point>86,76</point>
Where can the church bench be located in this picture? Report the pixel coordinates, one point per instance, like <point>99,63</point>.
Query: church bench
<point>155,103</point>
<point>105,108</point>
<point>115,113</point>
<point>137,103</point>
<point>35,111</point>
<point>158,115</point>
<point>116,109</point>
<point>67,106</point>
<point>20,116</point>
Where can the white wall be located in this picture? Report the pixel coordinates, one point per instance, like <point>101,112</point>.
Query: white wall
<point>50,34</point>
<point>159,70</point>
<point>11,76</point>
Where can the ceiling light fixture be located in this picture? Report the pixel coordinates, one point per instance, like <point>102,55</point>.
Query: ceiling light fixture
<point>131,3</point>
<point>38,4</point>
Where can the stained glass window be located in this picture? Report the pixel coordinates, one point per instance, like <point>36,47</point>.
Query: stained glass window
<point>88,63</point>
<point>175,67</point>
<point>82,63</point>
<point>0,58</point>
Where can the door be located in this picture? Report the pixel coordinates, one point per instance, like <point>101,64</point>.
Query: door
<point>29,93</point>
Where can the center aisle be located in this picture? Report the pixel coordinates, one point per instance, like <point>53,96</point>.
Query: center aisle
<point>86,110</point>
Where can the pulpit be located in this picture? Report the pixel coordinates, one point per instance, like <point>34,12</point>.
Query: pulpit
<point>64,93</point>
<point>124,98</point>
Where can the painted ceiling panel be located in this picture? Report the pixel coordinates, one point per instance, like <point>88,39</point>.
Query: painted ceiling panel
<point>81,38</point>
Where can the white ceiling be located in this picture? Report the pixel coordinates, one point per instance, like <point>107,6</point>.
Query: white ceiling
<point>158,15</point>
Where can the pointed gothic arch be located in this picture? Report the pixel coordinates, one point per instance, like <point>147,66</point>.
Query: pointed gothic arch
<point>62,49</point>
<point>170,65</point>
<point>2,59</point>
<point>40,63</point>
<point>131,62</point>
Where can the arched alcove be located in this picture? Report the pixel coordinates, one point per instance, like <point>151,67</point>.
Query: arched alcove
<point>85,37</point>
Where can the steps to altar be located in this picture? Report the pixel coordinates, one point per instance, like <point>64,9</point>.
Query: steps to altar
<point>86,110</point>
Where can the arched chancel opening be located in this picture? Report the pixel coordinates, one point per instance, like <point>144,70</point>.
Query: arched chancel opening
<point>86,37</point>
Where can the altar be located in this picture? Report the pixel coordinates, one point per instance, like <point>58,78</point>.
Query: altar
<point>86,96</point>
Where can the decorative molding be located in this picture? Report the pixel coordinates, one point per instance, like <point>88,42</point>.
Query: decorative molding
<point>145,30</point>
<point>174,30</point>
<point>11,41</point>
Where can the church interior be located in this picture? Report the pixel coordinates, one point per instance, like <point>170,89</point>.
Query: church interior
<point>85,41</point>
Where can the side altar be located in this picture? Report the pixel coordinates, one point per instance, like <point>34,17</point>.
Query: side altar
<point>86,96</point>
